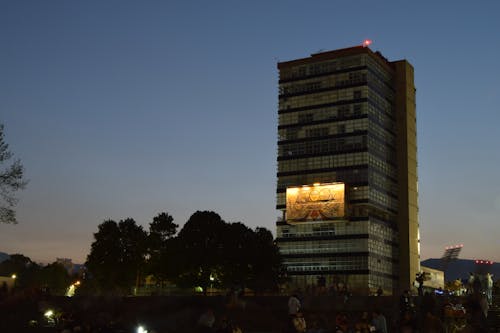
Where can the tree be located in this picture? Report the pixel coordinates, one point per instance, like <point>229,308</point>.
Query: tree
<point>11,180</point>
<point>117,255</point>
<point>26,271</point>
<point>161,230</point>
<point>268,271</point>
<point>55,278</point>
<point>196,251</point>
<point>209,251</point>
<point>163,227</point>
<point>236,255</point>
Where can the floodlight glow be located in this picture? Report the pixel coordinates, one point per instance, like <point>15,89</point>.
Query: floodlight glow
<point>141,329</point>
<point>48,313</point>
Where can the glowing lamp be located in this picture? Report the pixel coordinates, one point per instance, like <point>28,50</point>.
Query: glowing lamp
<point>48,313</point>
<point>367,42</point>
<point>13,276</point>
<point>141,329</point>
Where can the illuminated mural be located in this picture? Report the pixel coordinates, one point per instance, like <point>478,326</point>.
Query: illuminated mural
<point>313,203</point>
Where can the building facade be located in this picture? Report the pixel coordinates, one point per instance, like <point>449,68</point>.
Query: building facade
<point>347,171</point>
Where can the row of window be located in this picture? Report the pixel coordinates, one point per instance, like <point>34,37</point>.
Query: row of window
<point>311,131</point>
<point>336,246</point>
<point>358,192</point>
<point>331,81</point>
<point>383,199</point>
<point>339,227</point>
<point>336,161</point>
<point>383,182</point>
<point>380,102</point>
<point>382,150</point>
<point>327,264</point>
<point>323,162</point>
<point>381,133</point>
<point>322,114</point>
<point>323,98</point>
<point>381,118</point>
<point>346,176</point>
<point>380,265</point>
<point>322,67</point>
<point>377,84</point>
<point>383,167</point>
<point>379,71</point>
<point>324,146</point>
<point>380,248</point>
<point>382,231</point>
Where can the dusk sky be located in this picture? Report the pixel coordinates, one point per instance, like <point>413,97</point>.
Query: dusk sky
<point>129,108</point>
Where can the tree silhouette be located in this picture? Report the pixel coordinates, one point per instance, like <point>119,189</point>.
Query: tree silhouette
<point>209,251</point>
<point>54,278</point>
<point>197,251</point>
<point>26,271</point>
<point>11,180</point>
<point>117,255</point>
<point>161,230</point>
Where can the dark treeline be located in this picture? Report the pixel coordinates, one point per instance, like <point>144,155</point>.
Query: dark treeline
<point>206,252</point>
<point>52,278</point>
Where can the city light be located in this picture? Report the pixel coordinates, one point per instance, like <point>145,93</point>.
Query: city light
<point>483,262</point>
<point>70,292</point>
<point>48,314</point>
<point>13,276</point>
<point>367,42</point>
<point>458,246</point>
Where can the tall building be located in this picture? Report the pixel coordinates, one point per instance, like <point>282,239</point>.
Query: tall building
<point>347,171</point>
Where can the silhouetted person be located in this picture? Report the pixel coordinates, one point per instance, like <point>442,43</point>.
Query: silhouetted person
<point>293,305</point>
<point>470,283</point>
<point>206,321</point>
<point>379,322</point>
<point>489,288</point>
<point>405,302</point>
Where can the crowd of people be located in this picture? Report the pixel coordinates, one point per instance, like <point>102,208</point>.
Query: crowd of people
<point>427,313</point>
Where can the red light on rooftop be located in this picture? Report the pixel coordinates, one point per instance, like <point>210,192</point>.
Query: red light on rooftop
<point>367,42</point>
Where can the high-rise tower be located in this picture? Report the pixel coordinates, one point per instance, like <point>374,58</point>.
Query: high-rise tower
<point>347,170</point>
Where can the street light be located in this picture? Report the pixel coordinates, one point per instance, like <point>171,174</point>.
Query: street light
<point>211,283</point>
<point>14,276</point>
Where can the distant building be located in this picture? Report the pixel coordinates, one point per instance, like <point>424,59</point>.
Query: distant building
<point>7,282</point>
<point>434,278</point>
<point>347,171</point>
<point>66,263</point>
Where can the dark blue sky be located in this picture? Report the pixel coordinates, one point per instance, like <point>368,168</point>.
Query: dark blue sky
<point>129,108</point>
